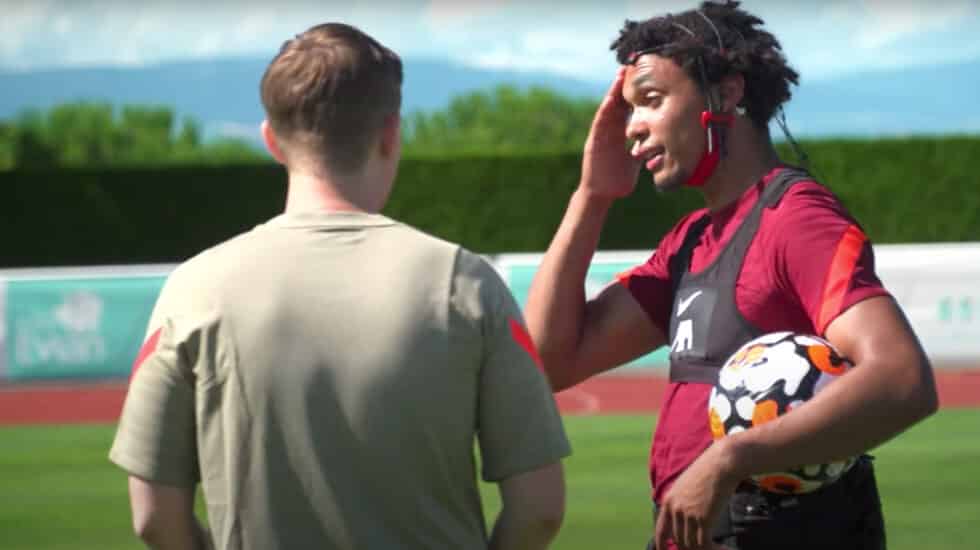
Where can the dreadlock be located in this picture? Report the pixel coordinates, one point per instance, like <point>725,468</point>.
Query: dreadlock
<point>728,40</point>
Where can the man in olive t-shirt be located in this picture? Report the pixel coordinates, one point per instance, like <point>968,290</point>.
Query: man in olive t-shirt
<point>325,376</point>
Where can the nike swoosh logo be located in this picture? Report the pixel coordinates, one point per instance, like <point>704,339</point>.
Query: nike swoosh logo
<point>686,303</point>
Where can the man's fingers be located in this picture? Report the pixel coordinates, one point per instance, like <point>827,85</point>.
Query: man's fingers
<point>686,532</point>
<point>663,528</point>
<point>682,535</point>
<point>613,100</point>
<point>609,124</point>
<point>615,90</point>
<point>695,533</point>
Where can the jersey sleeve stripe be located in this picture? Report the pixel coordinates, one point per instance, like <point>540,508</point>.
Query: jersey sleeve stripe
<point>521,336</point>
<point>839,277</point>
<point>146,350</point>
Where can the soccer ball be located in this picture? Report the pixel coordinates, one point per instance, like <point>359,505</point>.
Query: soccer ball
<point>768,377</point>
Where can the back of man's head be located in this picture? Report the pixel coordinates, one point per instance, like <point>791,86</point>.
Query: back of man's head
<point>328,93</point>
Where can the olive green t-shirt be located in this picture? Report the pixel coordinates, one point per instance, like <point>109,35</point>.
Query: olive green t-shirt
<point>324,377</point>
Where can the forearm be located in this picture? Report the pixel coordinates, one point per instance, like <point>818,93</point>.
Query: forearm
<point>183,535</point>
<point>866,407</point>
<point>556,301</point>
<point>512,533</point>
<point>163,516</point>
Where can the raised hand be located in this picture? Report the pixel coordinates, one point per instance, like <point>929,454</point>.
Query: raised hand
<point>608,170</point>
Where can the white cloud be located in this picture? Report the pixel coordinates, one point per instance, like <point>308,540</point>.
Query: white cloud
<point>110,32</point>
<point>571,37</point>
<point>643,9</point>
<point>549,50</point>
<point>19,24</point>
<point>63,24</point>
<point>827,39</point>
<point>439,13</point>
<point>891,20</point>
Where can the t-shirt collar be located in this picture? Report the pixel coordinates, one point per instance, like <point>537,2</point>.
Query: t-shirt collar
<point>721,217</point>
<point>327,218</point>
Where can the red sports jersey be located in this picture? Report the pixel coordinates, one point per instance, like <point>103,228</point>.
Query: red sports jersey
<point>808,263</point>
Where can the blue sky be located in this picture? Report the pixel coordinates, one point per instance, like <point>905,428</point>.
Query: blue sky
<point>823,39</point>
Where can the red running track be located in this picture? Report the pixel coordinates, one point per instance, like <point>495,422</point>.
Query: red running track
<point>612,394</point>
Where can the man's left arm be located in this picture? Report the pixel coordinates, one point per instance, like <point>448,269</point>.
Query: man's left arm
<point>827,262</point>
<point>155,443</point>
<point>890,389</point>
<point>163,516</point>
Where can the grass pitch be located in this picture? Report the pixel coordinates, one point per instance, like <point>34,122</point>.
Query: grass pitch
<point>58,490</point>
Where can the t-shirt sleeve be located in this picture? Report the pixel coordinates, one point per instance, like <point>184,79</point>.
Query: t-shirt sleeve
<point>155,437</point>
<point>649,283</point>
<point>519,427</point>
<point>824,257</point>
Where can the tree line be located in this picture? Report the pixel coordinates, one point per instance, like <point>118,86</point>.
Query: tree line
<point>505,120</point>
<point>97,134</point>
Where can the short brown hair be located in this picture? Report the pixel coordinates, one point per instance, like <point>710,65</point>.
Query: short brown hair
<point>330,90</point>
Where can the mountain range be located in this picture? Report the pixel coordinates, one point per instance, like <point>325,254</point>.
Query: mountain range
<point>223,94</point>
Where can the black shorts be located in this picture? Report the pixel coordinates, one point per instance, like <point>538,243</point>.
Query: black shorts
<point>845,515</point>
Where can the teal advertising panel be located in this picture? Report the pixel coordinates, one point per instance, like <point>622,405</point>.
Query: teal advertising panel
<point>3,330</point>
<point>88,323</point>
<point>71,328</point>
<point>518,270</point>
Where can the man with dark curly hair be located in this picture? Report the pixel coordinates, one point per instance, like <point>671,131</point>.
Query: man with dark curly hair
<point>774,250</point>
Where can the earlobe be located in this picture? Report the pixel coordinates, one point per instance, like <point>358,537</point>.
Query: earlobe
<point>272,143</point>
<point>391,135</point>
<point>732,90</point>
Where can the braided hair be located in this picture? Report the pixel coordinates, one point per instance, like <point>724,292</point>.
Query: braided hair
<point>728,40</point>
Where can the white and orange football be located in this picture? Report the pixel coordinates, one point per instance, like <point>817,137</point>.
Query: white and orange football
<point>766,378</point>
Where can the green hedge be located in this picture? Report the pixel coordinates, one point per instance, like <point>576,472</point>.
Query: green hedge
<point>908,190</point>
<point>905,190</point>
<point>90,217</point>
